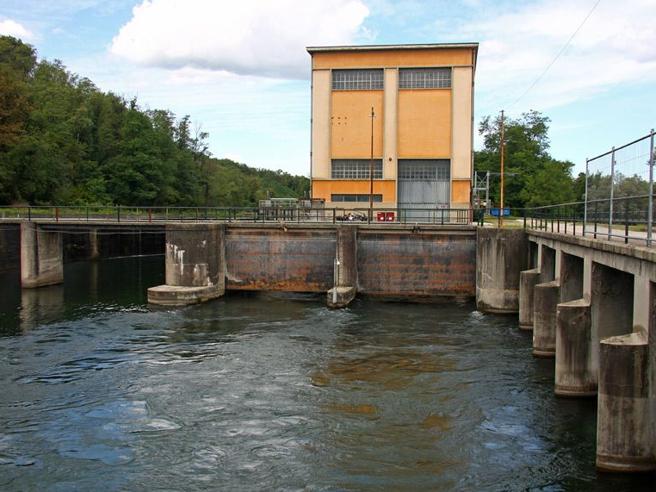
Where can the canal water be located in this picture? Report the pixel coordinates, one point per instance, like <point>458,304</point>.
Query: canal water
<point>274,392</point>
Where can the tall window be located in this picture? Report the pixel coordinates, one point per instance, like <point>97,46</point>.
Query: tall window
<point>362,198</point>
<point>424,169</point>
<point>424,78</point>
<point>347,80</point>
<point>355,169</point>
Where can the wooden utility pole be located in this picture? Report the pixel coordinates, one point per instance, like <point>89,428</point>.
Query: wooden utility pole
<point>502,147</point>
<point>371,169</point>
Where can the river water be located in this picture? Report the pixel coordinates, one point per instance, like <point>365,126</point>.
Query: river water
<point>275,392</point>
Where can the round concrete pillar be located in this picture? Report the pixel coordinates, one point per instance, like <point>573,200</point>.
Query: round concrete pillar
<point>545,302</point>
<point>528,279</point>
<point>623,413</point>
<point>575,375</point>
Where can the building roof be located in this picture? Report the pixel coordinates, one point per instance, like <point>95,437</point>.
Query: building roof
<point>379,47</point>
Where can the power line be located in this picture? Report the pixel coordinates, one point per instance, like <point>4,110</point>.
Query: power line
<point>562,50</point>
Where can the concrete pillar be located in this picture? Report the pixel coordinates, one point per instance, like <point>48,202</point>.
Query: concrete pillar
<point>575,373</point>
<point>611,305</point>
<point>195,265</point>
<point>42,257</point>
<point>94,245</point>
<point>501,255</point>
<point>545,302</point>
<point>528,279</point>
<point>623,413</point>
<point>346,270</point>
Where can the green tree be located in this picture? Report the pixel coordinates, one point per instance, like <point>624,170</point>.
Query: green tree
<point>533,177</point>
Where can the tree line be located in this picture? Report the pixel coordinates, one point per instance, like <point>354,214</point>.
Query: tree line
<point>64,141</point>
<point>533,177</point>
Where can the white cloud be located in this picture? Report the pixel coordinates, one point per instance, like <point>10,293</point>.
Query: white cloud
<point>617,45</point>
<point>248,37</point>
<point>9,27</point>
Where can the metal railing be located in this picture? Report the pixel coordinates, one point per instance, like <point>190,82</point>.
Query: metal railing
<point>126,214</point>
<point>627,220</point>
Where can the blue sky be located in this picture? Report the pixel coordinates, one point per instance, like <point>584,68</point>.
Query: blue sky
<point>241,71</point>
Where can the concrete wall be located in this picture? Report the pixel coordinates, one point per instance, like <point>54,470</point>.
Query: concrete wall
<point>296,260</point>
<point>395,263</point>
<point>405,264</point>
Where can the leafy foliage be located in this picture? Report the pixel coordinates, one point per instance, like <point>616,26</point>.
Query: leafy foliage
<point>63,141</point>
<point>533,177</point>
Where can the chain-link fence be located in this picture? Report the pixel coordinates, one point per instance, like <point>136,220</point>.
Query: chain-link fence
<point>619,190</point>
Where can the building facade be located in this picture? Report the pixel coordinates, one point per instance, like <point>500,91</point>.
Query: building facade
<point>422,125</point>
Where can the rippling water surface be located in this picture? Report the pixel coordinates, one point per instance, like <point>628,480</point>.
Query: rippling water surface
<point>99,392</point>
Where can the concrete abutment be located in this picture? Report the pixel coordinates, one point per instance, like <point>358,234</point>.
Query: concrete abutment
<point>501,254</point>
<point>41,256</point>
<point>195,265</point>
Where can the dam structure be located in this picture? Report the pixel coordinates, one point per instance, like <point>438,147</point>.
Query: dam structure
<point>590,303</point>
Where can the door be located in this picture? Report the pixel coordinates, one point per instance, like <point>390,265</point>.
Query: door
<point>424,189</point>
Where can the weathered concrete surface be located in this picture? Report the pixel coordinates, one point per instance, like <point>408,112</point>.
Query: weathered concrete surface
<point>528,279</point>
<point>546,299</point>
<point>623,409</point>
<point>195,265</point>
<point>575,372</point>
<point>346,267</point>
<point>346,254</point>
<point>501,255</point>
<point>340,297</point>
<point>94,245</point>
<point>176,295</point>
<point>42,257</point>
<point>425,263</point>
<point>571,278</point>
<point>280,258</point>
<point>611,305</point>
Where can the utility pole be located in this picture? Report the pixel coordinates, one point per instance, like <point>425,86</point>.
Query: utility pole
<point>502,146</point>
<point>371,169</point>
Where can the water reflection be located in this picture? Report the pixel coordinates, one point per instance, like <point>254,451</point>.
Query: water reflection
<point>41,306</point>
<point>270,392</point>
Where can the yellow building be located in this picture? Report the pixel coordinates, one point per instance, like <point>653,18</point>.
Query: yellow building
<point>422,99</point>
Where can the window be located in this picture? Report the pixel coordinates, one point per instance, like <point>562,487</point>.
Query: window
<point>424,169</point>
<point>348,80</point>
<point>424,78</point>
<point>355,169</point>
<point>355,198</point>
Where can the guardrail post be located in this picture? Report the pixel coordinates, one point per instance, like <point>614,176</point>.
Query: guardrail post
<point>118,213</point>
<point>150,215</point>
<point>585,198</point>
<point>56,214</point>
<point>612,193</point>
<point>626,222</point>
<point>650,206</point>
<point>29,213</point>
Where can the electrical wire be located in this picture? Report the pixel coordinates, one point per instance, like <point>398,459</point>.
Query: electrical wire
<point>562,50</point>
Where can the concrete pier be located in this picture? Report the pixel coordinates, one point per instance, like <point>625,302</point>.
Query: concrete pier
<point>346,271</point>
<point>575,373</point>
<point>623,409</point>
<point>94,245</point>
<point>528,279</point>
<point>546,299</point>
<point>42,256</point>
<point>501,255</point>
<point>195,265</point>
